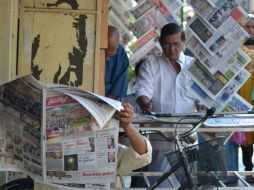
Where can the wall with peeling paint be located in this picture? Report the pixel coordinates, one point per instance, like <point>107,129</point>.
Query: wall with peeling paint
<point>8,39</point>
<point>59,41</point>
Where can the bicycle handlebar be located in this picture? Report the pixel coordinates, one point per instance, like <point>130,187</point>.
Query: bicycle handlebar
<point>198,114</point>
<point>208,114</point>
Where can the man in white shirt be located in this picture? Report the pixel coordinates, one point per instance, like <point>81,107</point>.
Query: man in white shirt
<point>161,86</point>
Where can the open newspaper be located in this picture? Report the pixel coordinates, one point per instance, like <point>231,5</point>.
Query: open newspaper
<point>58,134</point>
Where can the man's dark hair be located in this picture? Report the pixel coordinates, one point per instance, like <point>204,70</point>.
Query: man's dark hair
<point>170,29</point>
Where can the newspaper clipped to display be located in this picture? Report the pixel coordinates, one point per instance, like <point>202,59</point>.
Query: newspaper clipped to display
<point>218,70</point>
<point>149,17</point>
<point>58,134</point>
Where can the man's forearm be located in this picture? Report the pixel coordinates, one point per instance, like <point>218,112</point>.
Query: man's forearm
<point>137,141</point>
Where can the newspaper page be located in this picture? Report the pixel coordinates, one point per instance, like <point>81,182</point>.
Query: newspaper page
<point>203,8</point>
<point>154,13</point>
<point>149,37</point>
<point>213,84</point>
<point>222,99</point>
<point>237,103</point>
<point>169,9</point>
<point>227,38</point>
<point>233,59</point>
<point>75,151</point>
<point>21,112</point>
<point>52,137</point>
<point>215,13</point>
<point>142,9</point>
<point>142,25</point>
<point>216,38</point>
<point>85,94</point>
<point>11,155</point>
<point>101,110</point>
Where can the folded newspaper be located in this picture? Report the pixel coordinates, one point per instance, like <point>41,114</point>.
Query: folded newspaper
<point>57,134</point>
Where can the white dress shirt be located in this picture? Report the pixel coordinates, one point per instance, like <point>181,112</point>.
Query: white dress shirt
<point>168,93</point>
<point>166,89</point>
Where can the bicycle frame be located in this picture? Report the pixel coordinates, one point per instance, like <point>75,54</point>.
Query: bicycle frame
<point>183,157</point>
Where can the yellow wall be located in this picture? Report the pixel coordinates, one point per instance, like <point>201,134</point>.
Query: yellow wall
<point>59,42</point>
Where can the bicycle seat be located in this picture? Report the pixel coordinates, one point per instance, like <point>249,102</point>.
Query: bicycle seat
<point>19,184</point>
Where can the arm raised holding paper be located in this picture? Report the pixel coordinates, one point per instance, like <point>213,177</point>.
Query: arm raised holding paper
<point>137,155</point>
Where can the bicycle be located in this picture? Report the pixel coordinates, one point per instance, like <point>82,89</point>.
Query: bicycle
<point>189,164</point>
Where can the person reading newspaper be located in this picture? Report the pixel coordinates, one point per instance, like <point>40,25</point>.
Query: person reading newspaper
<point>137,155</point>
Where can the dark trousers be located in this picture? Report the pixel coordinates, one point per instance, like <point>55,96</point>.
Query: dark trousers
<point>247,153</point>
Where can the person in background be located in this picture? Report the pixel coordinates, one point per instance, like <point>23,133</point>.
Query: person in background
<point>246,92</point>
<point>116,68</point>
<point>161,86</point>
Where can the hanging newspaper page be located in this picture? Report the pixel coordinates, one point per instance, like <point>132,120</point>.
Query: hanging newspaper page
<point>215,13</point>
<point>228,37</point>
<point>141,9</point>
<point>237,103</point>
<point>169,9</point>
<point>213,84</point>
<point>203,8</point>
<point>224,96</point>
<point>234,60</point>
